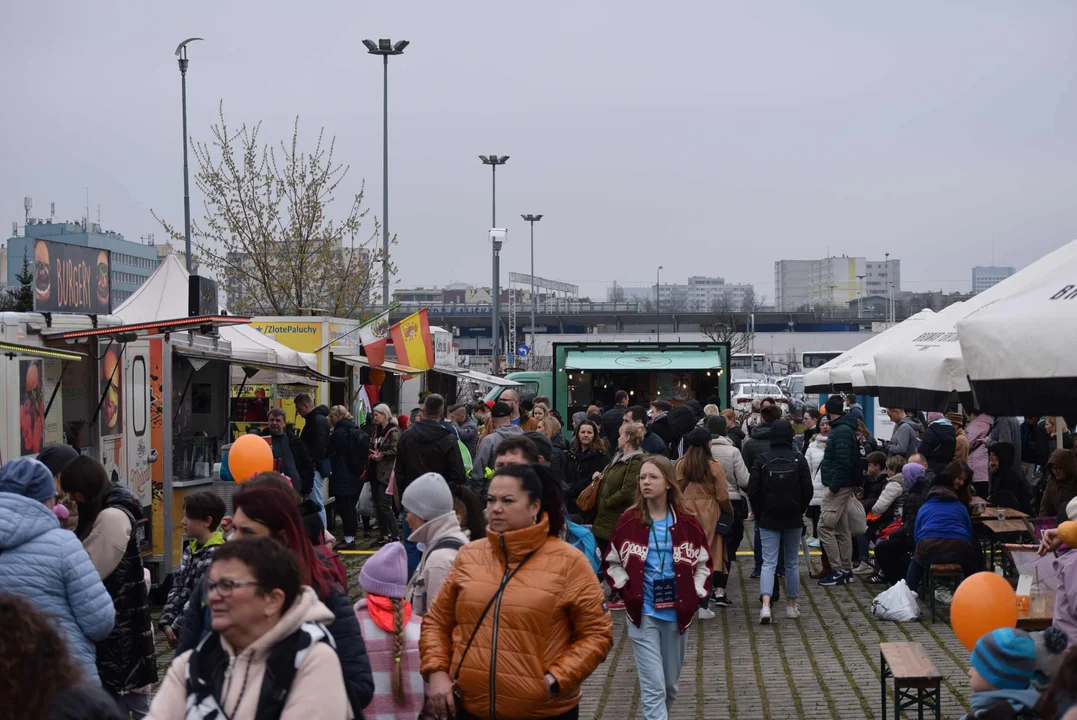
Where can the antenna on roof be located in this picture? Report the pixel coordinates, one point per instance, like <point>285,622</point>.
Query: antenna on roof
<point>52,211</point>
<point>28,206</point>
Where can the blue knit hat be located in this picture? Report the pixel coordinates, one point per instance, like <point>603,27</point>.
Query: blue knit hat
<point>29,478</point>
<point>1006,658</point>
<point>386,573</point>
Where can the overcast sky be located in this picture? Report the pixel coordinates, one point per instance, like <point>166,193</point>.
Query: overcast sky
<point>709,137</point>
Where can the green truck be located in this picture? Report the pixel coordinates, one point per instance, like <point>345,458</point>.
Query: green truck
<point>586,372</point>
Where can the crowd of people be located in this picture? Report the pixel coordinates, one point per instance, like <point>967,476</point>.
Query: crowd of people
<point>504,548</point>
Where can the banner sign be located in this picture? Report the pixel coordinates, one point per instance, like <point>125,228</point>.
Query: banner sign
<point>71,278</point>
<point>201,296</point>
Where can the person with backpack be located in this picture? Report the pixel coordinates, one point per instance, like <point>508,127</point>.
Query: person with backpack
<point>780,490</point>
<point>349,452</point>
<point>391,628</point>
<point>436,527</point>
<point>269,653</point>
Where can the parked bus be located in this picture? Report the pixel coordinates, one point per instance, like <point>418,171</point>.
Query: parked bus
<point>817,358</point>
<point>755,363</point>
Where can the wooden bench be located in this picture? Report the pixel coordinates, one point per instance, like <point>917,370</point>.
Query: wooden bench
<point>911,669</point>
<point>936,571</point>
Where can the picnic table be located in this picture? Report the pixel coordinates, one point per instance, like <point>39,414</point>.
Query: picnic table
<point>1001,531</point>
<point>991,513</point>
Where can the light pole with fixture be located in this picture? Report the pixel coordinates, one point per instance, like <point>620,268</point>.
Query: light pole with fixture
<point>497,239</point>
<point>658,305</point>
<point>860,297</point>
<point>385,48</point>
<point>493,161</point>
<point>532,219</point>
<point>181,54</point>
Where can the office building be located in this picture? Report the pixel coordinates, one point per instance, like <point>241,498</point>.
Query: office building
<point>832,281</point>
<point>131,262</point>
<point>984,277</point>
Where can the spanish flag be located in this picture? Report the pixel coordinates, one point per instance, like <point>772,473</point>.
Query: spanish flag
<point>411,338</point>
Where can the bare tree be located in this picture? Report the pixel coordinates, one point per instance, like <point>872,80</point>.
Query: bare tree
<point>616,293</point>
<point>266,230</point>
<point>723,327</point>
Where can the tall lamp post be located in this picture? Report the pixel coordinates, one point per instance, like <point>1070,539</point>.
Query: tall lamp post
<point>181,54</point>
<point>493,161</point>
<point>532,219</point>
<point>860,297</point>
<point>658,305</point>
<point>385,48</point>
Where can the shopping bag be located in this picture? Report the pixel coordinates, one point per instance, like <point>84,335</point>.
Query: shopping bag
<point>366,505</point>
<point>897,603</point>
<point>856,517</point>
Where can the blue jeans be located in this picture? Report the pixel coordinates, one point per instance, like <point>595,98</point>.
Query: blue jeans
<point>758,550</point>
<point>789,542</point>
<point>317,494</point>
<point>659,648</point>
<point>412,549</point>
<point>133,705</point>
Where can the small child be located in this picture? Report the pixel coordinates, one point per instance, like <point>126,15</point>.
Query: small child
<point>391,633</point>
<point>202,513</point>
<point>1003,664</point>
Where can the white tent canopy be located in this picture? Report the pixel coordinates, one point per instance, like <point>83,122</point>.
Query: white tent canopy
<point>925,371</point>
<point>164,297</point>
<point>1021,353</point>
<point>850,370</point>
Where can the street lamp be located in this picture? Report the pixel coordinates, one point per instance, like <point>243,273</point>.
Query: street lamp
<point>181,54</point>
<point>888,291</point>
<point>860,297</point>
<point>493,161</point>
<point>658,305</point>
<point>532,219</point>
<point>497,239</point>
<point>385,48</point>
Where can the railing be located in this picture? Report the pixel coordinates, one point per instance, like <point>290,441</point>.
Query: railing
<point>568,306</point>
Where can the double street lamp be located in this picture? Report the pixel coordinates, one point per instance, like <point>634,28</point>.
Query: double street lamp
<point>532,219</point>
<point>497,238</point>
<point>385,48</point>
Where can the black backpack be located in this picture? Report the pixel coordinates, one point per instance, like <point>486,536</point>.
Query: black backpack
<point>358,451</point>
<point>781,487</point>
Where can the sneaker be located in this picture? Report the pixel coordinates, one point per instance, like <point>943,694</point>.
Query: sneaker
<point>847,578</point>
<point>616,604</point>
<point>722,601</point>
<point>756,573</point>
<point>814,543</point>
<point>706,614</point>
<point>764,615</point>
<point>834,578</point>
<point>347,546</point>
<point>864,568</point>
<point>878,579</point>
<point>944,596</point>
<point>792,611</point>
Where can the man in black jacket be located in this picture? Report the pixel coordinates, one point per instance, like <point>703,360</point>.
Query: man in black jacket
<point>427,446</point>
<point>660,420</point>
<point>289,453</point>
<point>315,437</point>
<point>612,418</point>
<point>652,443</point>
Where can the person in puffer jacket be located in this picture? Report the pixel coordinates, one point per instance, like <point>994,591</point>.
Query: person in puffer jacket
<point>202,513</point>
<point>108,518</point>
<point>47,565</point>
<point>814,456</point>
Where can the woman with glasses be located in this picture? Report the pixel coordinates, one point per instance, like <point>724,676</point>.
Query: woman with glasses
<point>269,653</point>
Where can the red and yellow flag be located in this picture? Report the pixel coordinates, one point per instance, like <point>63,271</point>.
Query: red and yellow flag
<point>411,338</point>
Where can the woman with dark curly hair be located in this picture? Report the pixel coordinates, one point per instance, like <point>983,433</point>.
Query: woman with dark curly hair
<point>38,677</point>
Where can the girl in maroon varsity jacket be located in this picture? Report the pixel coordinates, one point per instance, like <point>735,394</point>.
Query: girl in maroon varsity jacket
<point>631,542</point>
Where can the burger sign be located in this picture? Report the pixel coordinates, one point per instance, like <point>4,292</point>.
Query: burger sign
<point>71,278</point>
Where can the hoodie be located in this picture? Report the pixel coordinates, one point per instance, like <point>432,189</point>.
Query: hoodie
<point>1058,493</point>
<point>938,445</point>
<point>756,445</point>
<point>435,564</point>
<point>943,516</point>
<point>905,440</point>
<point>48,567</point>
<point>487,453</point>
<point>428,447</point>
<point>317,690</point>
<point>1008,487</point>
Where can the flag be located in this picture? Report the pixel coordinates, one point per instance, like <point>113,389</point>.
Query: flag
<point>363,407</point>
<point>411,338</point>
<point>374,334</point>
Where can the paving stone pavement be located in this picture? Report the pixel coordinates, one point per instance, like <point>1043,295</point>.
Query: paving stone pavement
<point>824,665</point>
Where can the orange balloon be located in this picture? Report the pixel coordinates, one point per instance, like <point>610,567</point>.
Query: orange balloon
<point>249,455</point>
<point>983,602</point>
<point>377,376</point>
<point>1067,533</point>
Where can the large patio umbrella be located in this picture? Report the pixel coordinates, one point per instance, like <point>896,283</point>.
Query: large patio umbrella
<point>840,372</point>
<point>1021,353</point>
<point>927,370</point>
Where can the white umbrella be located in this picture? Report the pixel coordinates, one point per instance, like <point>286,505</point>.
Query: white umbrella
<point>840,373</point>
<point>1021,353</point>
<point>925,371</point>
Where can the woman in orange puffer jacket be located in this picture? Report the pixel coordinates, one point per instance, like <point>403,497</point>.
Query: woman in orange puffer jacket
<point>520,621</point>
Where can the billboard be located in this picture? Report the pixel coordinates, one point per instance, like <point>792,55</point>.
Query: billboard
<point>71,278</point>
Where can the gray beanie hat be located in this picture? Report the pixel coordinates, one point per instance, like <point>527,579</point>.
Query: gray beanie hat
<point>428,496</point>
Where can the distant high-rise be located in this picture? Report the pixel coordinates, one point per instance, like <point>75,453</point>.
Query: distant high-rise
<point>985,277</point>
<point>832,281</point>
